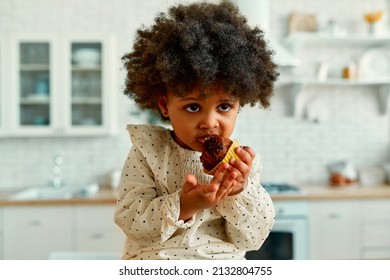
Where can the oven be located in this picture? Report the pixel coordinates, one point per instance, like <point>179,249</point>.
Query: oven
<point>289,238</point>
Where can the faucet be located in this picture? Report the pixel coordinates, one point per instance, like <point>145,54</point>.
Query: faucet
<point>56,180</point>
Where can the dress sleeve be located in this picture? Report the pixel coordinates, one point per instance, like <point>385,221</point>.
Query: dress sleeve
<point>144,216</point>
<point>250,214</point>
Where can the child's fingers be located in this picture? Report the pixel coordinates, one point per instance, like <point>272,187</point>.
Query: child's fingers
<point>208,189</point>
<point>223,180</point>
<point>227,185</point>
<point>249,151</point>
<point>227,182</point>
<point>246,154</point>
<point>219,174</point>
<point>190,183</point>
<point>240,166</point>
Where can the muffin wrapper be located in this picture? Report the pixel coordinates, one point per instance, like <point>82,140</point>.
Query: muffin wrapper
<point>229,155</point>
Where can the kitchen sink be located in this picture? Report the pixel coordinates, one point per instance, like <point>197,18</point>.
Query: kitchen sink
<point>48,193</point>
<point>41,193</point>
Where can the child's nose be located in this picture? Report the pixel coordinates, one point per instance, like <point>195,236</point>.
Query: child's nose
<point>209,121</point>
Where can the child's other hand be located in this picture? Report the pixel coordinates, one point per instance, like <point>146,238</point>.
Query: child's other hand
<point>195,198</point>
<point>241,168</point>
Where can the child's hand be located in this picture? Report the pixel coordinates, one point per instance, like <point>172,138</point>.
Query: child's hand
<point>195,198</point>
<point>241,168</point>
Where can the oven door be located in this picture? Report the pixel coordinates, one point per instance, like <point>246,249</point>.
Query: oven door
<point>288,240</point>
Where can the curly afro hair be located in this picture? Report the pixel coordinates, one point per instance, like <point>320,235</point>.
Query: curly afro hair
<point>197,45</point>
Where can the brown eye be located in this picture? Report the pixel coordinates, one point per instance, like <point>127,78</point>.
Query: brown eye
<point>224,107</point>
<point>192,108</point>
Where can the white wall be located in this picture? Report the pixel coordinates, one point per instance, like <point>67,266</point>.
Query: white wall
<point>291,149</point>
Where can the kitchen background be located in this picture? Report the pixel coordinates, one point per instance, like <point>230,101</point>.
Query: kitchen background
<point>294,149</point>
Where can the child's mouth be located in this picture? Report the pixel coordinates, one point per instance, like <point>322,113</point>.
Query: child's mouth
<point>203,138</point>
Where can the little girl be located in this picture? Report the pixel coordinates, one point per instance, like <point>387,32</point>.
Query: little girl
<point>195,67</point>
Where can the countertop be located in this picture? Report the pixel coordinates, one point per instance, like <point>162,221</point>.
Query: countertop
<point>104,196</point>
<point>327,192</point>
<point>309,192</point>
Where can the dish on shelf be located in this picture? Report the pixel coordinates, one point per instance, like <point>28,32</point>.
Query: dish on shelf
<point>36,97</point>
<point>86,57</point>
<point>373,17</point>
<point>375,64</point>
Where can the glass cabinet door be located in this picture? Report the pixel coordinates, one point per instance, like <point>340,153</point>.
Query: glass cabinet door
<point>86,84</point>
<point>60,84</point>
<point>35,89</point>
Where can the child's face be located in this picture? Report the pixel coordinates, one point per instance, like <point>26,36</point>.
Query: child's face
<point>194,116</point>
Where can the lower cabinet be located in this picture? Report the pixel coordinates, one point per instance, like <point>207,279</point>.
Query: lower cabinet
<point>376,229</point>
<point>350,229</point>
<point>335,230</point>
<point>96,230</point>
<point>39,232</point>
<point>33,232</point>
<point>339,229</point>
<point>1,234</point>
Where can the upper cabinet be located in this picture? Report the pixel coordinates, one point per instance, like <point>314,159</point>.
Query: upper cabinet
<point>57,85</point>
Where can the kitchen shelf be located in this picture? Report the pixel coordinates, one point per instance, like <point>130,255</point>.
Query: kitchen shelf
<point>87,68</point>
<point>34,67</point>
<point>35,100</point>
<point>86,100</point>
<point>298,85</point>
<point>336,82</point>
<point>295,40</point>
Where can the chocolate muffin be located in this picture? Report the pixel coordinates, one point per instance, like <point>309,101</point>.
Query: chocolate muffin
<point>215,148</point>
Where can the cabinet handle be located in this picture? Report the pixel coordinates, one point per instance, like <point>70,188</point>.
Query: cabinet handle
<point>334,216</point>
<point>97,236</point>
<point>36,223</point>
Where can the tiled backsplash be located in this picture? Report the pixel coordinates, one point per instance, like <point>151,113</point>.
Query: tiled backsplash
<point>291,149</point>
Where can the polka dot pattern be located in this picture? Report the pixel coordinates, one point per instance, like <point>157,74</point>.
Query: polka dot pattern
<point>148,206</point>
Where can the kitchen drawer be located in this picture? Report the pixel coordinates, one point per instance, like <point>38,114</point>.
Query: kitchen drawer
<point>1,234</point>
<point>1,220</point>
<point>33,232</point>
<point>100,240</point>
<point>96,230</point>
<point>1,246</point>
<point>291,208</point>
<point>335,230</point>
<point>376,253</point>
<point>376,210</point>
<point>376,234</point>
<point>95,216</point>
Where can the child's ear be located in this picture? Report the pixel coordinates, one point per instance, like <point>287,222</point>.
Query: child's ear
<point>162,104</point>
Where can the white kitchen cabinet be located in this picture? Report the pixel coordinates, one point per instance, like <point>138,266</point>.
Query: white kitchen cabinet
<point>60,85</point>
<point>33,232</point>
<point>1,234</point>
<point>40,232</point>
<point>376,229</point>
<point>335,230</point>
<point>96,230</point>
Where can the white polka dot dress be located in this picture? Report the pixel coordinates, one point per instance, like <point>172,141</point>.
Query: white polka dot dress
<point>148,206</point>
